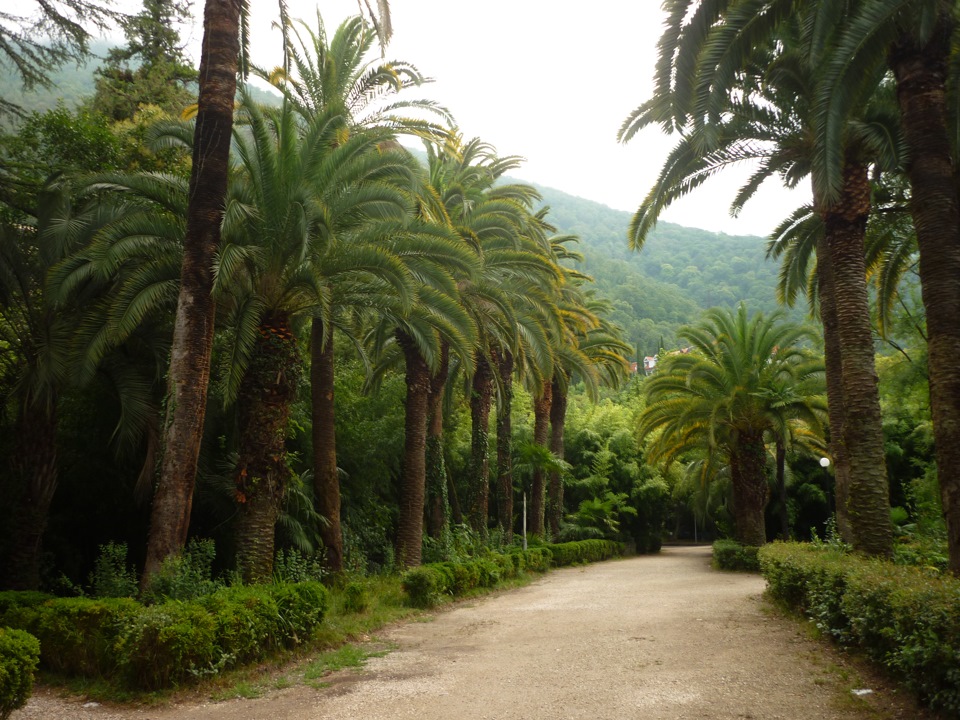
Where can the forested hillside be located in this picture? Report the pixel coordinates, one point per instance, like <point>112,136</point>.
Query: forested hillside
<point>679,272</point>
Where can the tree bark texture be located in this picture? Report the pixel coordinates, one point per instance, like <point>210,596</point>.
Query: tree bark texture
<point>868,503</point>
<point>33,466</point>
<point>833,367</point>
<point>481,398</point>
<point>267,391</point>
<point>750,490</point>
<point>438,500</point>
<point>326,480</point>
<point>558,415</point>
<point>413,479</point>
<point>541,420</point>
<point>192,344</point>
<point>921,73</point>
<point>505,446</point>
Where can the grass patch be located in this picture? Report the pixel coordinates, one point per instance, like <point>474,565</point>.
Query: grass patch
<point>347,656</point>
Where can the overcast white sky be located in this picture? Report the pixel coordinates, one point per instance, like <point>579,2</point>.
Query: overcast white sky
<point>551,81</point>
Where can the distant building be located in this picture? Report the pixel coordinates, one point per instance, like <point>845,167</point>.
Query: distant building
<point>649,364</point>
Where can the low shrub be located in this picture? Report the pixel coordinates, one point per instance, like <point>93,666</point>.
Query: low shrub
<point>19,655</point>
<point>731,555</point>
<point>422,585</point>
<point>355,597</point>
<point>166,644</point>
<point>906,619</point>
<point>428,584</point>
<point>169,643</point>
<point>581,551</point>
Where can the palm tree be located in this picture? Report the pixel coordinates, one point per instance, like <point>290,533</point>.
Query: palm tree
<point>916,40</point>
<point>725,394</point>
<point>337,75</point>
<point>193,329</point>
<point>766,92</point>
<point>192,346</point>
<point>34,371</point>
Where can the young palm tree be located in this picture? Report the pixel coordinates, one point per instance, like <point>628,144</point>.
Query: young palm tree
<point>725,395</point>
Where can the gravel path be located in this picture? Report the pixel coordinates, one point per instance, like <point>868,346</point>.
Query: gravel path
<point>654,638</point>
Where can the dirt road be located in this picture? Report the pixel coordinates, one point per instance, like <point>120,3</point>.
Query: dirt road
<point>657,637</point>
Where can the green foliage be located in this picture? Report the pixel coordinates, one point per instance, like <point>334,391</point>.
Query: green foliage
<point>169,643</point>
<point>291,566</point>
<point>731,555</point>
<point>165,644</point>
<point>111,576</point>
<point>77,635</point>
<point>185,576</point>
<point>423,586</point>
<point>583,551</point>
<point>356,597</point>
<point>902,617</point>
<point>19,655</point>
<point>428,584</point>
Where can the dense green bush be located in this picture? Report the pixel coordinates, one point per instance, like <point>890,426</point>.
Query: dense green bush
<point>427,584</point>
<point>907,619</point>
<point>155,646</point>
<point>582,551</point>
<point>355,597</point>
<point>19,655</point>
<point>165,644</point>
<point>731,555</point>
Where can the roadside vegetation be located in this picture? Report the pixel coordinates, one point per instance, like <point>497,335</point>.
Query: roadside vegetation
<point>270,378</point>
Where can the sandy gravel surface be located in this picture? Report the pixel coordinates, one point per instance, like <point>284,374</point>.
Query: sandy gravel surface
<point>652,638</point>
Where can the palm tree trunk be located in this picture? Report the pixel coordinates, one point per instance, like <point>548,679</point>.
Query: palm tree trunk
<point>833,367</point>
<point>541,419</point>
<point>558,416</point>
<point>868,503</point>
<point>193,326</point>
<point>413,480</point>
<point>750,490</point>
<point>505,446</point>
<point>921,73</point>
<point>326,480</point>
<point>480,401</point>
<point>438,501</point>
<point>34,469</point>
<point>782,489</point>
<point>267,391</point>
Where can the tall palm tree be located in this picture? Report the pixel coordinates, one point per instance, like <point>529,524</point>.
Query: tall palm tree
<point>766,84</point>
<point>725,395</point>
<point>192,346</point>
<point>337,75</point>
<point>915,39</point>
<point>220,60</point>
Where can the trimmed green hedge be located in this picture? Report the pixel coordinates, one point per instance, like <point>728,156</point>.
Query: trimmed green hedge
<point>19,655</point>
<point>583,551</point>
<point>731,555</point>
<point>427,584</point>
<point>903,617</point>
<point>156,646</point>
